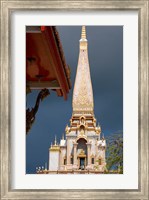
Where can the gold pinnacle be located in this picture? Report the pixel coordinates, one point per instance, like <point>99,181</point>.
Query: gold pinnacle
<point>83,35</point>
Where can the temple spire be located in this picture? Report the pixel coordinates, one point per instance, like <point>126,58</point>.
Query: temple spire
<point>82,94</point>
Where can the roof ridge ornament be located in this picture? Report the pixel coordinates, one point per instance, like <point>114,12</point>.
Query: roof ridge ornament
<point>55,142</point>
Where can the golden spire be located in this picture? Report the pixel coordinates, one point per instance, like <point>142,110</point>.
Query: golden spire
<point>83,35</point>
<point>82,94</point>
<point>55,147</point>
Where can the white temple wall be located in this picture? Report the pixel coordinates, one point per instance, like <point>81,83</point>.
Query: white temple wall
<point>54,160</point>
<point>91,133</point>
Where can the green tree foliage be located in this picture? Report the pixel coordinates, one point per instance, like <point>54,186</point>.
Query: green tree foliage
<point>114,151</point>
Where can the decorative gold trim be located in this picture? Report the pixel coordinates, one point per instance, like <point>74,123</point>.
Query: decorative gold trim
<point>51,150</point>
<point>81,156</point>
<point>55,148</point>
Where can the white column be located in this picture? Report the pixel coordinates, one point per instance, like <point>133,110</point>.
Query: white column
<point>88,153</point>
<point>75,153</point>
<point>68,152</point>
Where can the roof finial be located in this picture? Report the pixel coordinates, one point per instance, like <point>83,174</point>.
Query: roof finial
<point>45,166</point>
<point>55,142</point>
<point>83,35</point>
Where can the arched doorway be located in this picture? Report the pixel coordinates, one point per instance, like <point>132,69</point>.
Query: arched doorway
<point>82,153</point>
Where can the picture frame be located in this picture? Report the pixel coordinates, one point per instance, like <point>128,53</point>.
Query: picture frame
<point>7,8</point>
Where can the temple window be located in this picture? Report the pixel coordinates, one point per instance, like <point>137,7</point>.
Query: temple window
<point>64,161</point>
<point>71,160</point>
<point>99,161</point>
<point>82,129</point>
<point>92,160</point>
<point>82,120</point>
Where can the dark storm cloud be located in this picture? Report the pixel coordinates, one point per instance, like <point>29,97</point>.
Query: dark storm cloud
<point>105,49</point>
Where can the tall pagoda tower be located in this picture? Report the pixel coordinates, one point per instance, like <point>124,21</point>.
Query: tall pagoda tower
<point>83,148</point>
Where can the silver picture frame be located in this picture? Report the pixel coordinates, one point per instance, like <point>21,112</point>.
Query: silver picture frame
<point>7,8</point>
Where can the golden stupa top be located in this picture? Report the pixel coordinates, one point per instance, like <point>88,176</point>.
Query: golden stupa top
<point>83,35</point>
<point>55,147</point>
<point>83,93</point>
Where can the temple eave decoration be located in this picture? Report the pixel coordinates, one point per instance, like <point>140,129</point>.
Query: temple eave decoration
<point>45,61</point>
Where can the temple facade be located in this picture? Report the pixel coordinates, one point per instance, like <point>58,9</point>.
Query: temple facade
<point>82,148</point>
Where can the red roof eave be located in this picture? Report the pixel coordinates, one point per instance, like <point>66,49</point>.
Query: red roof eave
<point>59,67</point>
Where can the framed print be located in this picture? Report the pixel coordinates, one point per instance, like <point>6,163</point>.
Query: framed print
<point>94,145</point>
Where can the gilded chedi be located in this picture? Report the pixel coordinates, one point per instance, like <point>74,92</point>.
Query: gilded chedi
<point>82,149</point>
